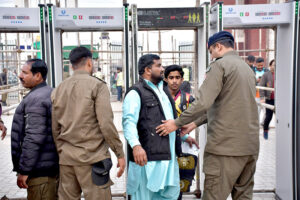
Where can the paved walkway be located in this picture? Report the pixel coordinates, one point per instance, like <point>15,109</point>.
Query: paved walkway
<point>264,177</point>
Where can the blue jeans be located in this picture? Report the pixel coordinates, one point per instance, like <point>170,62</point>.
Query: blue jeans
<point>119,90</point>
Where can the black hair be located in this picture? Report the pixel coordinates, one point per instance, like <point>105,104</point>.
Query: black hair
<point>227,43</point>
<point>251,58</point>
<point>146,61</point>
<point>172,68</point>
<point>260,60</point>
<point>79,56</point>
<point>119,68</point>
<point>38,66</point>
<point>271,62</point>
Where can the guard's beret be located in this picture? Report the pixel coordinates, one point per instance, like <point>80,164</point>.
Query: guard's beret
<point>222,35</point>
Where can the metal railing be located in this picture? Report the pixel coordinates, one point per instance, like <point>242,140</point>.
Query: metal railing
<point>269,106</point>
<point>12,88</point>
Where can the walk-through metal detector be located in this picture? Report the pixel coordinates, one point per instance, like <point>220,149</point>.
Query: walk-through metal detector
<point>285,18</point>
<point>79,20</point>
<point>192,18</point>
<point>23,20</point>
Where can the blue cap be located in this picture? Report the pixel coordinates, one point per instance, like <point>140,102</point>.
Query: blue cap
<point>222,35</point>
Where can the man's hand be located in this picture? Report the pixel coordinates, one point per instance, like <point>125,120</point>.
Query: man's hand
<point>140,156</point>
<point>262,101</point>
<point>21,182</point>
<point>187,128</point>
<point>167,127</point>
<point>3,129</point>
<point>121,165</point>
<point>192,141</point>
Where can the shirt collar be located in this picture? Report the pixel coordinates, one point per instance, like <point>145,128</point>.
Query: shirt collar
<point>159,85</point>
<point>230,53</point>
<point>79,72</point>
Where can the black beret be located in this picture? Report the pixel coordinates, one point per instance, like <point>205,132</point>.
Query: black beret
<point>222,35</point>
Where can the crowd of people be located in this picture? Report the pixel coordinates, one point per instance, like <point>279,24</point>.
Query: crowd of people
<point>265,77</point>
<point>61,137</point>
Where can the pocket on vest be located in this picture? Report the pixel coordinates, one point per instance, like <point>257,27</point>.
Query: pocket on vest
<point>153,112</point>
<point>159,144</point>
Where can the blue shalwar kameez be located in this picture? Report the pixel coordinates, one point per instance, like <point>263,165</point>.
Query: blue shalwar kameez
<point>157,180</point>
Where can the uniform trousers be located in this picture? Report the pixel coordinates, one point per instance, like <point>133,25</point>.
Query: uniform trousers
<point>225,175</point>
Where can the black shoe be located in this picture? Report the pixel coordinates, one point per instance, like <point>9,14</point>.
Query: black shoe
<point>266,135</point>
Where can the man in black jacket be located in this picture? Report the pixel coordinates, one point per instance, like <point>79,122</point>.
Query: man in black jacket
<point>33,150</point>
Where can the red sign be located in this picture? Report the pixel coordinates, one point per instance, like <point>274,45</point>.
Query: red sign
<point>80,17</point>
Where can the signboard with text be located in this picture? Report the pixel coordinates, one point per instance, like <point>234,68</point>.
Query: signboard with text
<point>19,19</point>
<point>88,18</point>
<point>153,18</point>
<point>256,15</point>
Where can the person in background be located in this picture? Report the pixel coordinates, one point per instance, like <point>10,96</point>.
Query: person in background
<point>119,83</point>
<point>2,126</point>
<point>259,70</point>
<point>250,60</point>
<point>3,77</point>
<point>186,86</point>
<point>268,97</point>
<point>99,74</point>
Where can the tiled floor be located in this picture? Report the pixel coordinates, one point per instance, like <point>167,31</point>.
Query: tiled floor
<point>264,177</point>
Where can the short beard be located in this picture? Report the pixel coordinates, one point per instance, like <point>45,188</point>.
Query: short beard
<point>156,79</point>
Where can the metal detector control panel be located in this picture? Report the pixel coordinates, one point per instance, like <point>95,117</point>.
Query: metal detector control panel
<point>153,18</point>
<point>19,19</point>
<point>89,18</point>
<point>258,15</point>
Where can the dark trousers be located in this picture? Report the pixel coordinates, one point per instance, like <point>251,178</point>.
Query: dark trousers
<point>269,115</point>
<point>119,90</point>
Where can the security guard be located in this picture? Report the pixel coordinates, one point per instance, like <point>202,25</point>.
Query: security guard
<point>228,96</point>
<point>83,131</point>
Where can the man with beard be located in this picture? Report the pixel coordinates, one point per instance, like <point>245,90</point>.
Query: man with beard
<point>153,169</point>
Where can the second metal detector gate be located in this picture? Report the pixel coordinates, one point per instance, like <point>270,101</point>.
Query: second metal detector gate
<point>193,18</point>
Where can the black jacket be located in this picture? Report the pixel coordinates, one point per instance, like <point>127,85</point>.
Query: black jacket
<point>151,114</point>
<point>32,146</point>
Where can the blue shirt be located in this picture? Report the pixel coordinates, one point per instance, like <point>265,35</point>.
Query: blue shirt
<point>160,174</point>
